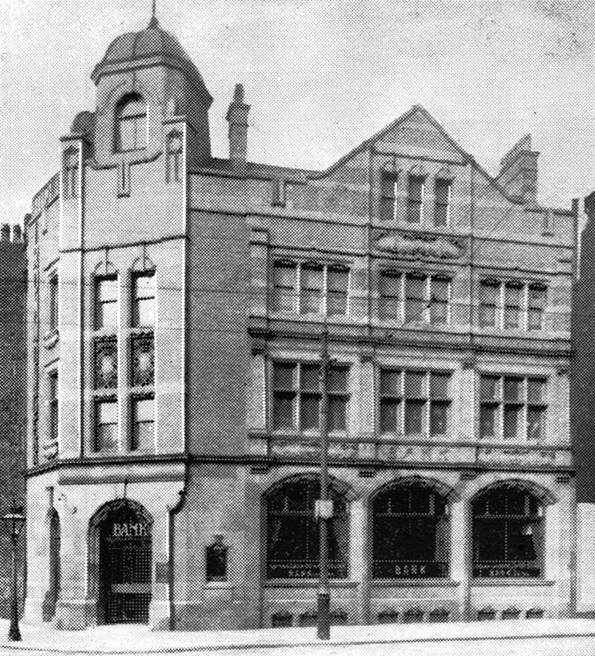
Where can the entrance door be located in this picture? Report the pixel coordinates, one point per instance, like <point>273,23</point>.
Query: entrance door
<point>125,565</point>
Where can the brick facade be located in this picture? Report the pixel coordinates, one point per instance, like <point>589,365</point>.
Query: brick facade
<point>209,232</point>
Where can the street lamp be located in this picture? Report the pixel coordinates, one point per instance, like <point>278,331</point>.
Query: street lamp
<point>14,521</point>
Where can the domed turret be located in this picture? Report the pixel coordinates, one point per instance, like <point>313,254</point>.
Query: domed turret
<point>149,47</point>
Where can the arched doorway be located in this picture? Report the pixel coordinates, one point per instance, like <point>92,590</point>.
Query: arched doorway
<point>122,532</point>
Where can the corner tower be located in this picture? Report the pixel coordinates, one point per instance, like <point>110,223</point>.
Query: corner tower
<point>144,79</point>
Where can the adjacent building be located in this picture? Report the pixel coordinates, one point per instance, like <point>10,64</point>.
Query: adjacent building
<point>12,393</point>
<point>176,323</point>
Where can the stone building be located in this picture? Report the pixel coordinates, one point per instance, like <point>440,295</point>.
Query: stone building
<point>12,392</point>
<point>179,303</point>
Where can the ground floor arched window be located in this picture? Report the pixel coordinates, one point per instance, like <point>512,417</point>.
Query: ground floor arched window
<point>292,531</point>
<point>508,533</point>
<point>410,527</point>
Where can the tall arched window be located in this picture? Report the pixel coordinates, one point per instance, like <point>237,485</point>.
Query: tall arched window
<point>292,531</point>
<point>131,124</point>
<point>410,528</point>
<point>507,533</point>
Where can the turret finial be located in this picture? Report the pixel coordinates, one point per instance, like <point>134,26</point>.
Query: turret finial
<point>154,22</point>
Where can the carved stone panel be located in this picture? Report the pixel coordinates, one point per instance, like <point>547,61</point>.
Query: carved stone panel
<point>143,360</point>
<point>106,363</point>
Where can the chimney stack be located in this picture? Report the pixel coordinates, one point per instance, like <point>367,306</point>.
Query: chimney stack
<point>237,117</point>
<point>17,233</point>
<point>5,232</point>
<point>518,171</point>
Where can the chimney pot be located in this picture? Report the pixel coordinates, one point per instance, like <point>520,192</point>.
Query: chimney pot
<point>5,232</point>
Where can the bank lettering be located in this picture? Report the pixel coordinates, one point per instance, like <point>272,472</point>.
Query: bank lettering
<point>130,530</point>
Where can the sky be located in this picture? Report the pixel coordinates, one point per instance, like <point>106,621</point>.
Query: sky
<point>321,77</point>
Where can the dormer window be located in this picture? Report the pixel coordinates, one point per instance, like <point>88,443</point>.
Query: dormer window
<point>131,124</point>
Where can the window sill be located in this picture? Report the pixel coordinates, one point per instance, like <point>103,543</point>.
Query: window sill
<point>51,338</point>
<point>414,583</point>
<point>512,581</point>
<point>219,585</point>
<point>309,583</point>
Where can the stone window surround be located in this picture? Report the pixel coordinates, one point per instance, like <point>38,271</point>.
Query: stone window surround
<point>395,197</point>
<point>298,264</point>
<point>124,335</point>
<point>501,303</point>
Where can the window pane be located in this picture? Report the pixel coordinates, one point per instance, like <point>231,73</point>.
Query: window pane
<point>441,215</point>
<point>513,389</point>
<point>337,413</point>
<point>284,375</point>
<point>337,279</point>
<point>414,212</point>
<point>336,303</point>
<point>311,277</point>
<point>512,417</point>
<point>535,319</point>
<point>512,317</point>
<point>390,382</point>
<point>389,186</point>
<point>107,289</point>
<point>512,294</point>
<point>415,188</point>
<point>415,310</point>
<point>284,275</point>
<point>389,410</point>
<point>144,312</point>
<point>440,289</point>
<point>144,409</point>
<point>487,315</point>
<point>390,284</point>
<point>442,191</point>
<point>126,135</point>
<point>438,418</point>
<point>310,377</point>
<point>389,308</point>
<point>283,410</point>
<point>387,209</point>
<point>439,385</point>
<point>311,302</point>
<point>537,297</point>
<point>439,312</point>
<point>415,287</point>
<point>415,383</point>
<point>487,420</point>
<point>535,423</point>
<point>535,390</point>
<point>414,414</point>
<point>106,437</point>
<point>107,412</point>
<point>488,387</point>
<point>309,411</point>
<point>283,300</point>
<point>489,292</point>
<point>144,286</point>
<point>337,379</point>
<point>140,131</point>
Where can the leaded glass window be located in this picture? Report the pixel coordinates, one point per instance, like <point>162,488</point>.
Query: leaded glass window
<point>508,534</point>
<point>410,528</point>
<point>106,363</point>
<point>292,531</point>
<point>143,360</point>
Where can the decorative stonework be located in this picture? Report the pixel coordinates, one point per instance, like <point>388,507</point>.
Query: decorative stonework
<point>143,360</point>
<point>419,245</point>
<point>516,456</point>
<point>106,363</point>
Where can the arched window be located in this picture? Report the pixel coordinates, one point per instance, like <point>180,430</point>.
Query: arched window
<point>507,534</point>
<point>131,124</point>
<point>410,528</point>
<point>292,531</point>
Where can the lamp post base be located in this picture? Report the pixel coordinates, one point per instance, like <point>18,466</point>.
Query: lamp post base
<point>324,618</point>
<point>14,635</point>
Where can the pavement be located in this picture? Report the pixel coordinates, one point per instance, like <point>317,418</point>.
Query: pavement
<point>456,636</point>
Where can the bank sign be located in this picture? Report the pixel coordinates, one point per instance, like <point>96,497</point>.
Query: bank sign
<point>131,530</point>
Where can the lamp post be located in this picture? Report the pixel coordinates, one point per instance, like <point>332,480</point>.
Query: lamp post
<point>324,505</point>
<point>14,521</point>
